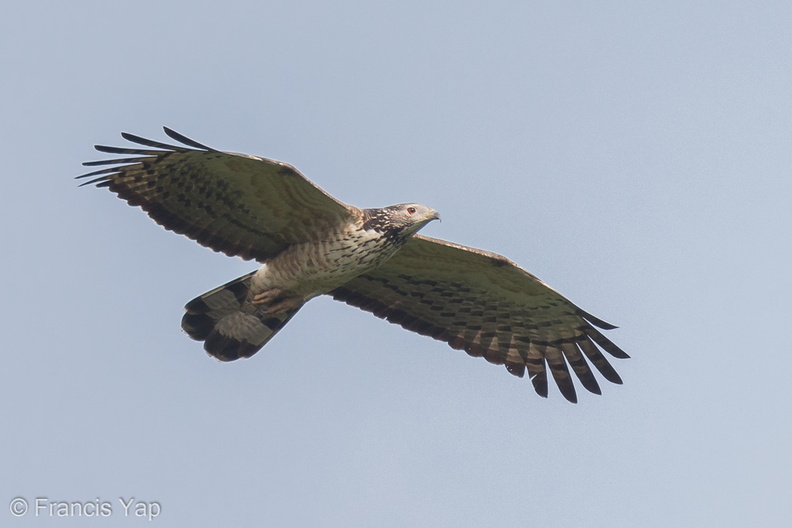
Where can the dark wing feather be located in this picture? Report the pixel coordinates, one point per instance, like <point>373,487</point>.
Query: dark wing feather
<point>234,203</point>
<point>488,306</point>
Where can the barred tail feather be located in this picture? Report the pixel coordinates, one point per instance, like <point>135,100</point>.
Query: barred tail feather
<point>230,327</point>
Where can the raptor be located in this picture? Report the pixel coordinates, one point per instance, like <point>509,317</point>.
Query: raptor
<point>309,244</point>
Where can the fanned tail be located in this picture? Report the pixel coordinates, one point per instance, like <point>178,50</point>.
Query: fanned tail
<point>228,324</point>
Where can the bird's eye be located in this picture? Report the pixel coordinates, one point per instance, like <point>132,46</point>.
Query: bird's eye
<point>411,210</point>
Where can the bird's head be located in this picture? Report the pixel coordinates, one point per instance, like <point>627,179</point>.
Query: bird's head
<point>411,216</point>
<point>401,220</point>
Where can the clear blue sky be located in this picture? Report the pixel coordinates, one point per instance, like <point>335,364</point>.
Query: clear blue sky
<point>637,156</point>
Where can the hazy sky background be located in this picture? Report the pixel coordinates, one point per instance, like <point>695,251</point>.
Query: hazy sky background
<point>636,156</point>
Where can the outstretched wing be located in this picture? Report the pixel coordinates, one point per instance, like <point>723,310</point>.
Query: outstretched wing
<point>488,306</point>
<point>234,203</point>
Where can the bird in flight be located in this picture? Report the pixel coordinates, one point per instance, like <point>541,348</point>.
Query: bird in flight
<point>309,244</point>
